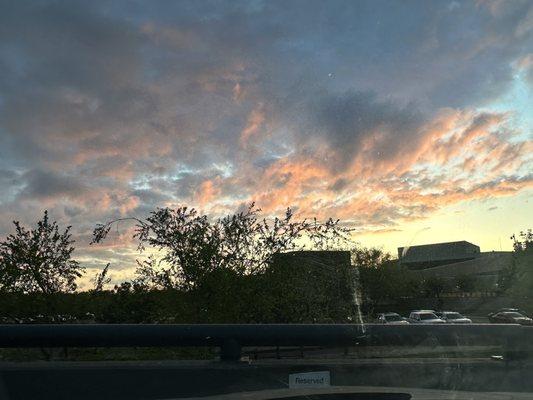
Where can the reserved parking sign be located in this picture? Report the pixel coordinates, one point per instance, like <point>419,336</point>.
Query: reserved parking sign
<point>317,379</point>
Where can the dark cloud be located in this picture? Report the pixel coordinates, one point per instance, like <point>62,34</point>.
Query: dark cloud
<point>46,184</point>
<point>94,75</point>
<point>339,184</point>
<point>73,211</point>
<point>347,120</point>
<point>71,82</point>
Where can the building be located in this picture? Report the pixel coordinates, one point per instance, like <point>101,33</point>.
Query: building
<point>486,268</point>
<point>434,255</point>
<point>452,260</point>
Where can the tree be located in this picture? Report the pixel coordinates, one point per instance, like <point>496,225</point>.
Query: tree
<point>435,286</point>
<point>101,279</point>
<point>381,278</point>
<point>370,277</point>
<point>38,260</point>
<point>523,242</point>
<point>507,277</point>
<point>372,258</point>
<point>465,283</point>
<point>193,246</point>
<point>517,278</point>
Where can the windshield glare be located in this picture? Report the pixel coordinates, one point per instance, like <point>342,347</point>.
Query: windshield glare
<point>514,315</point>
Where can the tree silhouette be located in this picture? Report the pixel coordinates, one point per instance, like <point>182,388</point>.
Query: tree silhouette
<point>435,286</point>
<point>523,242</point>
<point>101,279</point>
<point>517,277</point>
<point>193,246</point>
<point>465,283</point>
<point>38,260</point>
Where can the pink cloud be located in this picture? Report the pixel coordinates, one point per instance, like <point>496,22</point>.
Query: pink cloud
<point>460,156</point>
<point>255,121</point>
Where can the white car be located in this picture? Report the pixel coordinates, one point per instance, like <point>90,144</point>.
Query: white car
<point>391,318</point>
<point>452,317</point>
<point>425,317</point>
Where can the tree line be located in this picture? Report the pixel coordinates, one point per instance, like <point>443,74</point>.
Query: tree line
<point>211,271</point>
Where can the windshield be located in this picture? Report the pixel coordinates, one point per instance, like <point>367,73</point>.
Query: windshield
<point>427,316</point>
<point>392,318</point>
<point>513,315</point>
<point>217,197</point>
<point>453,315</point>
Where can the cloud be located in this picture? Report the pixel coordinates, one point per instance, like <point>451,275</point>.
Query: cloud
<point>375,114</point>
<point>525,65</point>
<point>254,123</point>
<point>358,125</point>
<point>208,191</point>
<point>47,184</point>
<point>435,170</point>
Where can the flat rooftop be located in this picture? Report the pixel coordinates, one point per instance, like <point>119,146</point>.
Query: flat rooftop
<point>431,255</point>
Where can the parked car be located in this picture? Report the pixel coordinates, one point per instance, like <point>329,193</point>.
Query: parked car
<point>391,318</point>
<point>424,317</point>
<point>510,310</point>
<point>510,317</point>
<point>452,317</point>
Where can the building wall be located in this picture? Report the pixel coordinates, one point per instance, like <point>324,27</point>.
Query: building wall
<point>432,255</point>
<point>486,268</point>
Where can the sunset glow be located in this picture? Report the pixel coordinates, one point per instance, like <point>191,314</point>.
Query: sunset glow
<point>410,122</point>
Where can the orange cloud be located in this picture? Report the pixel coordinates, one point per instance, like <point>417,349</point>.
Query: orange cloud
<point>208,191</point>
<point>256,118</point>
<point>460,156</point>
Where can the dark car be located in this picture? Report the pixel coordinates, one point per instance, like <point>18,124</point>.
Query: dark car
<point>509,309</point>
<point>510,317</point>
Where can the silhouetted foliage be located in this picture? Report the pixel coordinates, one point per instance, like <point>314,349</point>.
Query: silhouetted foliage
<point>38,260</point>
<point>435,286</point>
<point>373,258</point>
<point>517,278</point>
<point>382,279</point>
<point>311,287</point>
<point>101,279</point>
<point>220,271</point>
<point>193,247</point>
<point>524,241</point>
<point>465,283</point>
<point>507,277</point>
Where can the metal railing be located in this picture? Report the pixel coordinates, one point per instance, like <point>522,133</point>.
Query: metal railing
<point>232,337</point>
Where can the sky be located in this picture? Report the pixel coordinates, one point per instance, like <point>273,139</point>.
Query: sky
<point>410,121</point>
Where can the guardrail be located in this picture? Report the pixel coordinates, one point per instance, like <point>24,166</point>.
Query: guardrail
<point>231,338</point>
